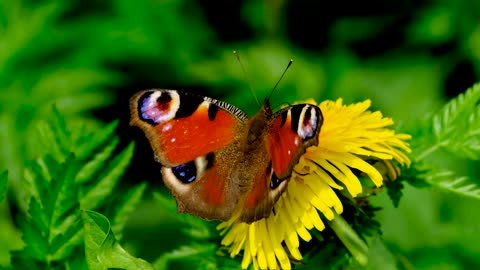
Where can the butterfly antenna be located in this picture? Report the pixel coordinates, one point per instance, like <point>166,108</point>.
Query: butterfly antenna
<point>246,76</point>
<point>281,77</point>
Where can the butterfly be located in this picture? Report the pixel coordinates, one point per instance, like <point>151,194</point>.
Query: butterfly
<point>215,159</point>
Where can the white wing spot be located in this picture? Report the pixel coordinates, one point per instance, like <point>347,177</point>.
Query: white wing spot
<point>166,127</point>
<point>307,130</point>
<point>296,141</point>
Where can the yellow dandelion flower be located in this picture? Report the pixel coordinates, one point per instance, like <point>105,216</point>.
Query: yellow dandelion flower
<point>350,135</point>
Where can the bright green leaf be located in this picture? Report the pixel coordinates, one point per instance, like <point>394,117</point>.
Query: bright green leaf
<point>91,143</point>
<point>456,128</point>
<point>88,171</point>
<point>3,184</point>
<point>447,181</point>
<point>125,208</point>
<point>108,179</point>
<point>191,252</point>
<point>102,249</point>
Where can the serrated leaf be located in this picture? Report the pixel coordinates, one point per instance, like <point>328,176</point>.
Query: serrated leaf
<point>456,127</point>
<point>394,191</point>
<point>3,184</point>
<point>61,134</point>
<point>93,142</point>
<point>63,192</point>
<point>101,248</point>
<point>462,185</point>
<point>63,244</point>
<point>48,231</point>
<point>125,207</point>
<point>96,163</point>
<point>34,239</point>
<point>108,180</point>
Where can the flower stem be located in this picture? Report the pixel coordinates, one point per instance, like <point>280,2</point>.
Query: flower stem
<point>350,239</point>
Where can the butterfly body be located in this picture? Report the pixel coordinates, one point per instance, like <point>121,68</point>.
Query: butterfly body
<point>217,160</point>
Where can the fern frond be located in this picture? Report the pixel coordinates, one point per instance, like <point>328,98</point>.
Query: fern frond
<point>456,128</point>
<point>74,161</point>
<point>93,195</point>
<point>50,215</point>
<point>125,206</point>
<point>460,185</point>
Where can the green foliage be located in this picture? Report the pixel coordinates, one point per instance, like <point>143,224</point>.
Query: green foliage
<point>457,126</point>
<point>3,184</point>
<point>460,185</point>
<point>394,191</point>
<point>30,85</point>
<point>455,129</point>
<point>52,229</point>
<point>102,250</point>
<point>194,253</point>
<point>74,173</point>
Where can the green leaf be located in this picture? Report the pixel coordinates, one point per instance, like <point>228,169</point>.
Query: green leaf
<point>90,144</point>
<point>97,193</point>
<point>3,184</point>
<point>194,227</point>
<point>191,252</point>
<point>456,128</point>
<point>52,230</point>
<point>102,249</point>
<point>96,163</point>
<point>394,191</point>
<point>461,185</point>
<point>49,230</point>
<point>125,208</point>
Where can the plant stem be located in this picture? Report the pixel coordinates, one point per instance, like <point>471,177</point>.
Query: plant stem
<point>350,239</point>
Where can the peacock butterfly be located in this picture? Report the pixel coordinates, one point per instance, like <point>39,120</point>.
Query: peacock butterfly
<point>217,160</point>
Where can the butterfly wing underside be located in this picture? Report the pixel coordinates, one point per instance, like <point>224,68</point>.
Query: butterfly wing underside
<point>191,136</point>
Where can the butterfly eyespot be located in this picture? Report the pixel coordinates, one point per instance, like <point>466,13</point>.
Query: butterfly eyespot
<point>156,107</point>
<point>164,99</point>
<point>275,181</point>
<point>186,173</point>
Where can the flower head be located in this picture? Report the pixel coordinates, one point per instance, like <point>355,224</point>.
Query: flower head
<point>350,136</point>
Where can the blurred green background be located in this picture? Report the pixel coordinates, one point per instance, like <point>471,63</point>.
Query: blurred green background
<point>88,57</point>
